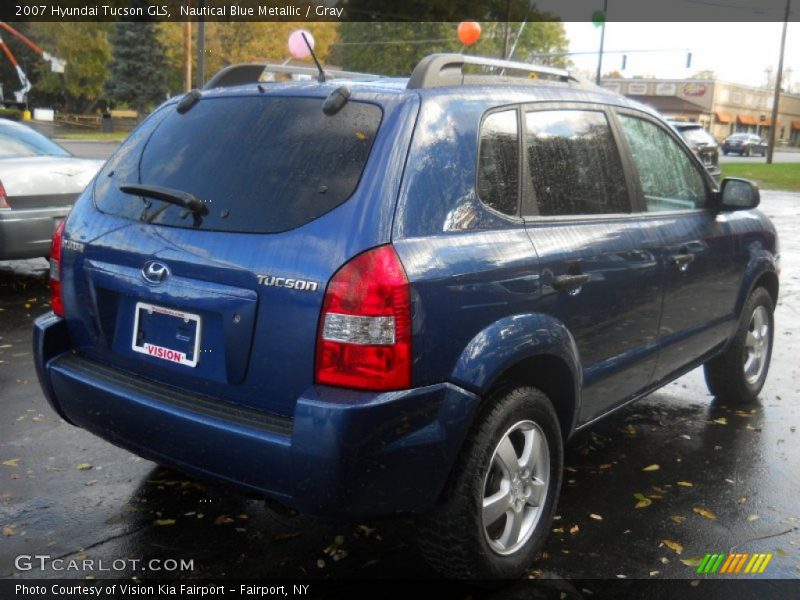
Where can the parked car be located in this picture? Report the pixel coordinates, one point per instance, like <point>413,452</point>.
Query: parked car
<point>744,144</point>
<point>702,142</point>
<point>39,181</point>
<point>400,296</point>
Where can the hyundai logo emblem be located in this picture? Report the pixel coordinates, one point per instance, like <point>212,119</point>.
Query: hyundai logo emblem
<point>154,271</point>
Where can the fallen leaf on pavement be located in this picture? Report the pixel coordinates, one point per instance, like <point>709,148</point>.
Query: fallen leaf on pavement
<point>649,468</point>
<point>574,529</point>
<point>84,467</point>
<point>13,462</point>
<point>684,483</point>
<point>643,501</point>
<point>8,531</point>
<point>596,517</point>
<point>672,545</point>
<point>703,512</point>
<point>720,421</point>
<point>752,517</point>
<point>223,520</point>
<point>677,519</point>
<point>163,522</point>
<point>692,562</point>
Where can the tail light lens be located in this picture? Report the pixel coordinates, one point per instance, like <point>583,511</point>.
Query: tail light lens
<point>364,339</point>
<point>3,198</point>
<point>56,301</point>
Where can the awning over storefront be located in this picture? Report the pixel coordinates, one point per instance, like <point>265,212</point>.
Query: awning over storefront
<point>724,117</point>
<point>670,105</point>
<point>747,120</point>
<point>796,125</point>
<point>768,122</point>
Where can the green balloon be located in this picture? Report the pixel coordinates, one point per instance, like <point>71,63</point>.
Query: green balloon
<point>598,18</point>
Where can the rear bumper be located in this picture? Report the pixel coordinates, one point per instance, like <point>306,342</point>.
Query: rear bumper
<point>26,233</point>
<point>344,454</point>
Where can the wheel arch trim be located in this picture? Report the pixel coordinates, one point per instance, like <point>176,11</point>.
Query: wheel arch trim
<point>508,344</point>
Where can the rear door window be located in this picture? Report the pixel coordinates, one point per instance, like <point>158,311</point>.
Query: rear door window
<point>259,164</point>
<point>498,162</point>
<point>574,163</point>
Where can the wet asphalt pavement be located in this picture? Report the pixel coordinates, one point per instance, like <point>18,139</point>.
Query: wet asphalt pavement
<point>727,479</point>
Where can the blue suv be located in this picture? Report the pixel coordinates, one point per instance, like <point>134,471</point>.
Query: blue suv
<point>367,296</point>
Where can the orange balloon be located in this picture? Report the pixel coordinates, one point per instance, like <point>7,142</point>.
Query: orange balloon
<point>468,32</point>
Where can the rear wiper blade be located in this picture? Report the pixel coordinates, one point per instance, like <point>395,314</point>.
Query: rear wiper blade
<point>177,197</point>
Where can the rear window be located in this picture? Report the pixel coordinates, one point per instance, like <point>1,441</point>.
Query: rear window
<point>22,141</point>
<point>260,164</point>
<point>697,135</point>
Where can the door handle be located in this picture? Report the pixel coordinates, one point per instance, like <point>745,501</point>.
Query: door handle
<point>681,260</point>
<point>570,282</point>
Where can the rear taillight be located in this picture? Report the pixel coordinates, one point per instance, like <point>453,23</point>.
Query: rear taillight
<point>364,339</point>
<point>56,301</point>
<point>3,198</point>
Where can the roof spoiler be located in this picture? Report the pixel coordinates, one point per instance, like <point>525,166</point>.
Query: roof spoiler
<point>256,72</point>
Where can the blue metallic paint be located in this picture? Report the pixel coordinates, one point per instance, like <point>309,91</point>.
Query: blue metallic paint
<point>482,301</point>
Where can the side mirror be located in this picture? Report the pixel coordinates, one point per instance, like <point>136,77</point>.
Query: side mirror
<point>738,194</point>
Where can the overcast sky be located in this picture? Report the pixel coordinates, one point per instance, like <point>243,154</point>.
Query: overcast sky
<point>737,52</point>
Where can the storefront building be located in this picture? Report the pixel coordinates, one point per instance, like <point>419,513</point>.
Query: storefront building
<point>721,107</point>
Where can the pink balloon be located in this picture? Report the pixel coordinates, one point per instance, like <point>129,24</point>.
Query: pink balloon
<point>297,46</point>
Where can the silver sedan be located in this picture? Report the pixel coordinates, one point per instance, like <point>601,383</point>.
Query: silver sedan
<point>39,181</point>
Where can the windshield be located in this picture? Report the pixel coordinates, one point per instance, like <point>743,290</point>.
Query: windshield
<point>697,135</point>
<point>260,164</point>
<point>23,141</point>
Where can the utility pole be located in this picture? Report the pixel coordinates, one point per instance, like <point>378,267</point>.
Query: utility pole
<point>777,97</point>
<point>187,56</point>
<point>201,49</point>
<point>602,42</point>
<point>506,32</point>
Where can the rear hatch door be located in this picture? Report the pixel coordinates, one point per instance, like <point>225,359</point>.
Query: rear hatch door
<point>227,301</point>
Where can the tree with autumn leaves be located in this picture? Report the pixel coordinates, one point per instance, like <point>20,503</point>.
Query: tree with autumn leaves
<point>139,64</point>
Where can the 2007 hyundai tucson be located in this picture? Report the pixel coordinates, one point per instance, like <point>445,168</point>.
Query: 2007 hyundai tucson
<point>368,296</point>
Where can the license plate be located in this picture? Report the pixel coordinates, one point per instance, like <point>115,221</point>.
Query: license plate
<point>166,334</point>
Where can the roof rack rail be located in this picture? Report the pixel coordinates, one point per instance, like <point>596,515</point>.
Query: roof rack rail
<point>257,72</point>
<point>436,70</point>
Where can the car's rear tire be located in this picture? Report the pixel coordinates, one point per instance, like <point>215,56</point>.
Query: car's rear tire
<point>737,375</point>
<point>498,506</point>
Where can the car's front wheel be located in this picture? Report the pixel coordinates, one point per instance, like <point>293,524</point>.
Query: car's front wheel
<point>499,503</point>
<point>737,375</point>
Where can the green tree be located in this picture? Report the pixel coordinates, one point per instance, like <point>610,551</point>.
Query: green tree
<point>85,48</point>
<point>232,42</point>
<point>393,48</point>
<point>137,73</point>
